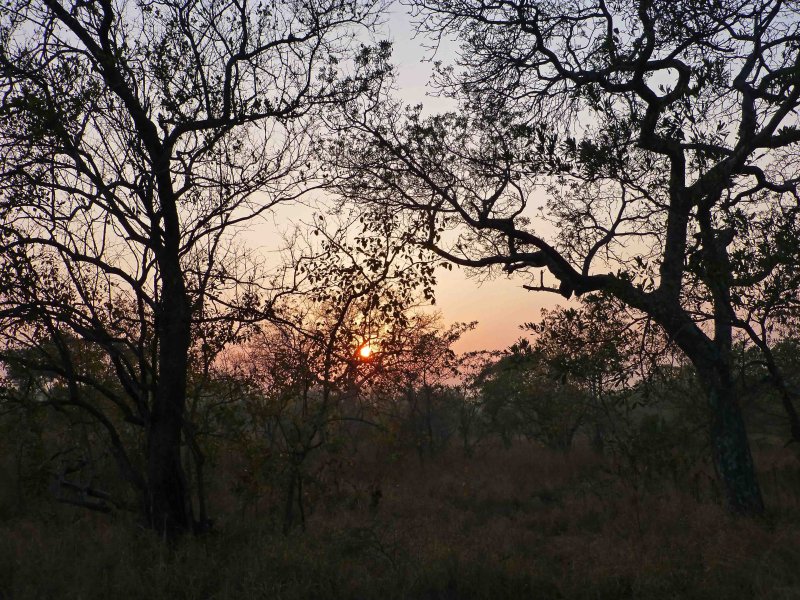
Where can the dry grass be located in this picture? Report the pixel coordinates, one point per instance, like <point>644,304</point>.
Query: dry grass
<point>522,523</point>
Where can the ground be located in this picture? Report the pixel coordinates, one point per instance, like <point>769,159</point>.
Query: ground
<point>523,522</point>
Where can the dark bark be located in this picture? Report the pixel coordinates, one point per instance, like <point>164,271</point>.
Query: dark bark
<point>288,512</point>
<point>711,359</point>
<point>429,421</point>
<point>732,457</point>
<point>729,441</point>
<point>168,504</point>
<point>730,444</point>
<point>300,504</point>
<point>598,438</point>
<point>202,523</point>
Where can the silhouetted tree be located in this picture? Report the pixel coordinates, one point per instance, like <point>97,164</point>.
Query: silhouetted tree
<point>604,348</point>
<point>521,395</point>
<point>134,138</point>
<point>656,139</point>
<point>306,370</point>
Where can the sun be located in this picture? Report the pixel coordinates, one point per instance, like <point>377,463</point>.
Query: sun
<point>365,351</point>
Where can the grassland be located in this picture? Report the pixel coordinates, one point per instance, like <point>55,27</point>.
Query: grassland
<point>518,523</point>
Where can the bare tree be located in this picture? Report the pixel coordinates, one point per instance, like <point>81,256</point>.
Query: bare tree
<point>134,138</point>
<point>644,148</point>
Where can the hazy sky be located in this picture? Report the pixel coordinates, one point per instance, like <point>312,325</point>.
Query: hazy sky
<point>499,305</point>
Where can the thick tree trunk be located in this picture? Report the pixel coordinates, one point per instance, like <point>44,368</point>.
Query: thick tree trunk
<point>730,444</point>
<point>732,457</point>
<point>168,503</point>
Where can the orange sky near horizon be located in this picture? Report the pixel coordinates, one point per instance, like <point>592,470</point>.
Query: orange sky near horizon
<point>500,306</point>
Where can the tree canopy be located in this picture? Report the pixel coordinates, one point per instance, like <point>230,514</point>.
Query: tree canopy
<point>134,138</point>
<point>646,148</point>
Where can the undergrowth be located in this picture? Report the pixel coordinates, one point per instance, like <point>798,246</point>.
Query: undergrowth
<point>522,523</point>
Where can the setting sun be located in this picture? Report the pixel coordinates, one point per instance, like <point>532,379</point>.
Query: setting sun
<point>365,351</point>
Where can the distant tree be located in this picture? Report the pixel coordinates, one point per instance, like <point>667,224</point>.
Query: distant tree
<point>309,373</point>
<point>417,373</point>
<point>659,139</point>
<point>521,395</point>
<point>76,450</point>
<point>602,347</point>
<point>134,139</point>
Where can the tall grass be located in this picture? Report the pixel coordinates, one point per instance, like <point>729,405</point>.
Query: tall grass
<point>518,523</point>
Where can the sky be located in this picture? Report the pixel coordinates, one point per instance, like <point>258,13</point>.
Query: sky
<point>500,305</point>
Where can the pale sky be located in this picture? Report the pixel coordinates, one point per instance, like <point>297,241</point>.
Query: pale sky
<point>501,305</point>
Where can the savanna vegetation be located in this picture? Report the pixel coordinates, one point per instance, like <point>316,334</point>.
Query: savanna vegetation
<point>186,415</point>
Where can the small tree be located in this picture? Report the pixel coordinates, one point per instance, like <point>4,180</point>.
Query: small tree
<point>521,395</point>
<point>310,372</point>
<point>418,373</point>
<point>603,349</point>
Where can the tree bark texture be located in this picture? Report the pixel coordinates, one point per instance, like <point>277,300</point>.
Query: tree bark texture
<point>711,358</point>
<point>730,445</point>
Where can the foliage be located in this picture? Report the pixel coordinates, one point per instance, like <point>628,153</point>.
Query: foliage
<point>503,524</point>
<point>521,396</point>
<point>642,149</point>
<point>135,141</point>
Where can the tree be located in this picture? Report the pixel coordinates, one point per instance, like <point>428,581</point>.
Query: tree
<point>307,372</point>
<point>520,394</point>
<point>415,384</point>
<point>769,309</point>
<point>641,148</point>
<point>134,139</point>
<point>604,349</point>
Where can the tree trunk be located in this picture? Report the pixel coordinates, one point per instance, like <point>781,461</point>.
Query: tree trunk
<point>429,421</point>
<point>168,503</point>
<point>288,512</point>
<point>731,447</point>
<point>598,437</point>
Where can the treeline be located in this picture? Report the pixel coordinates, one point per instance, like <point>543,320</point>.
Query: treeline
<point>276,422</point>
